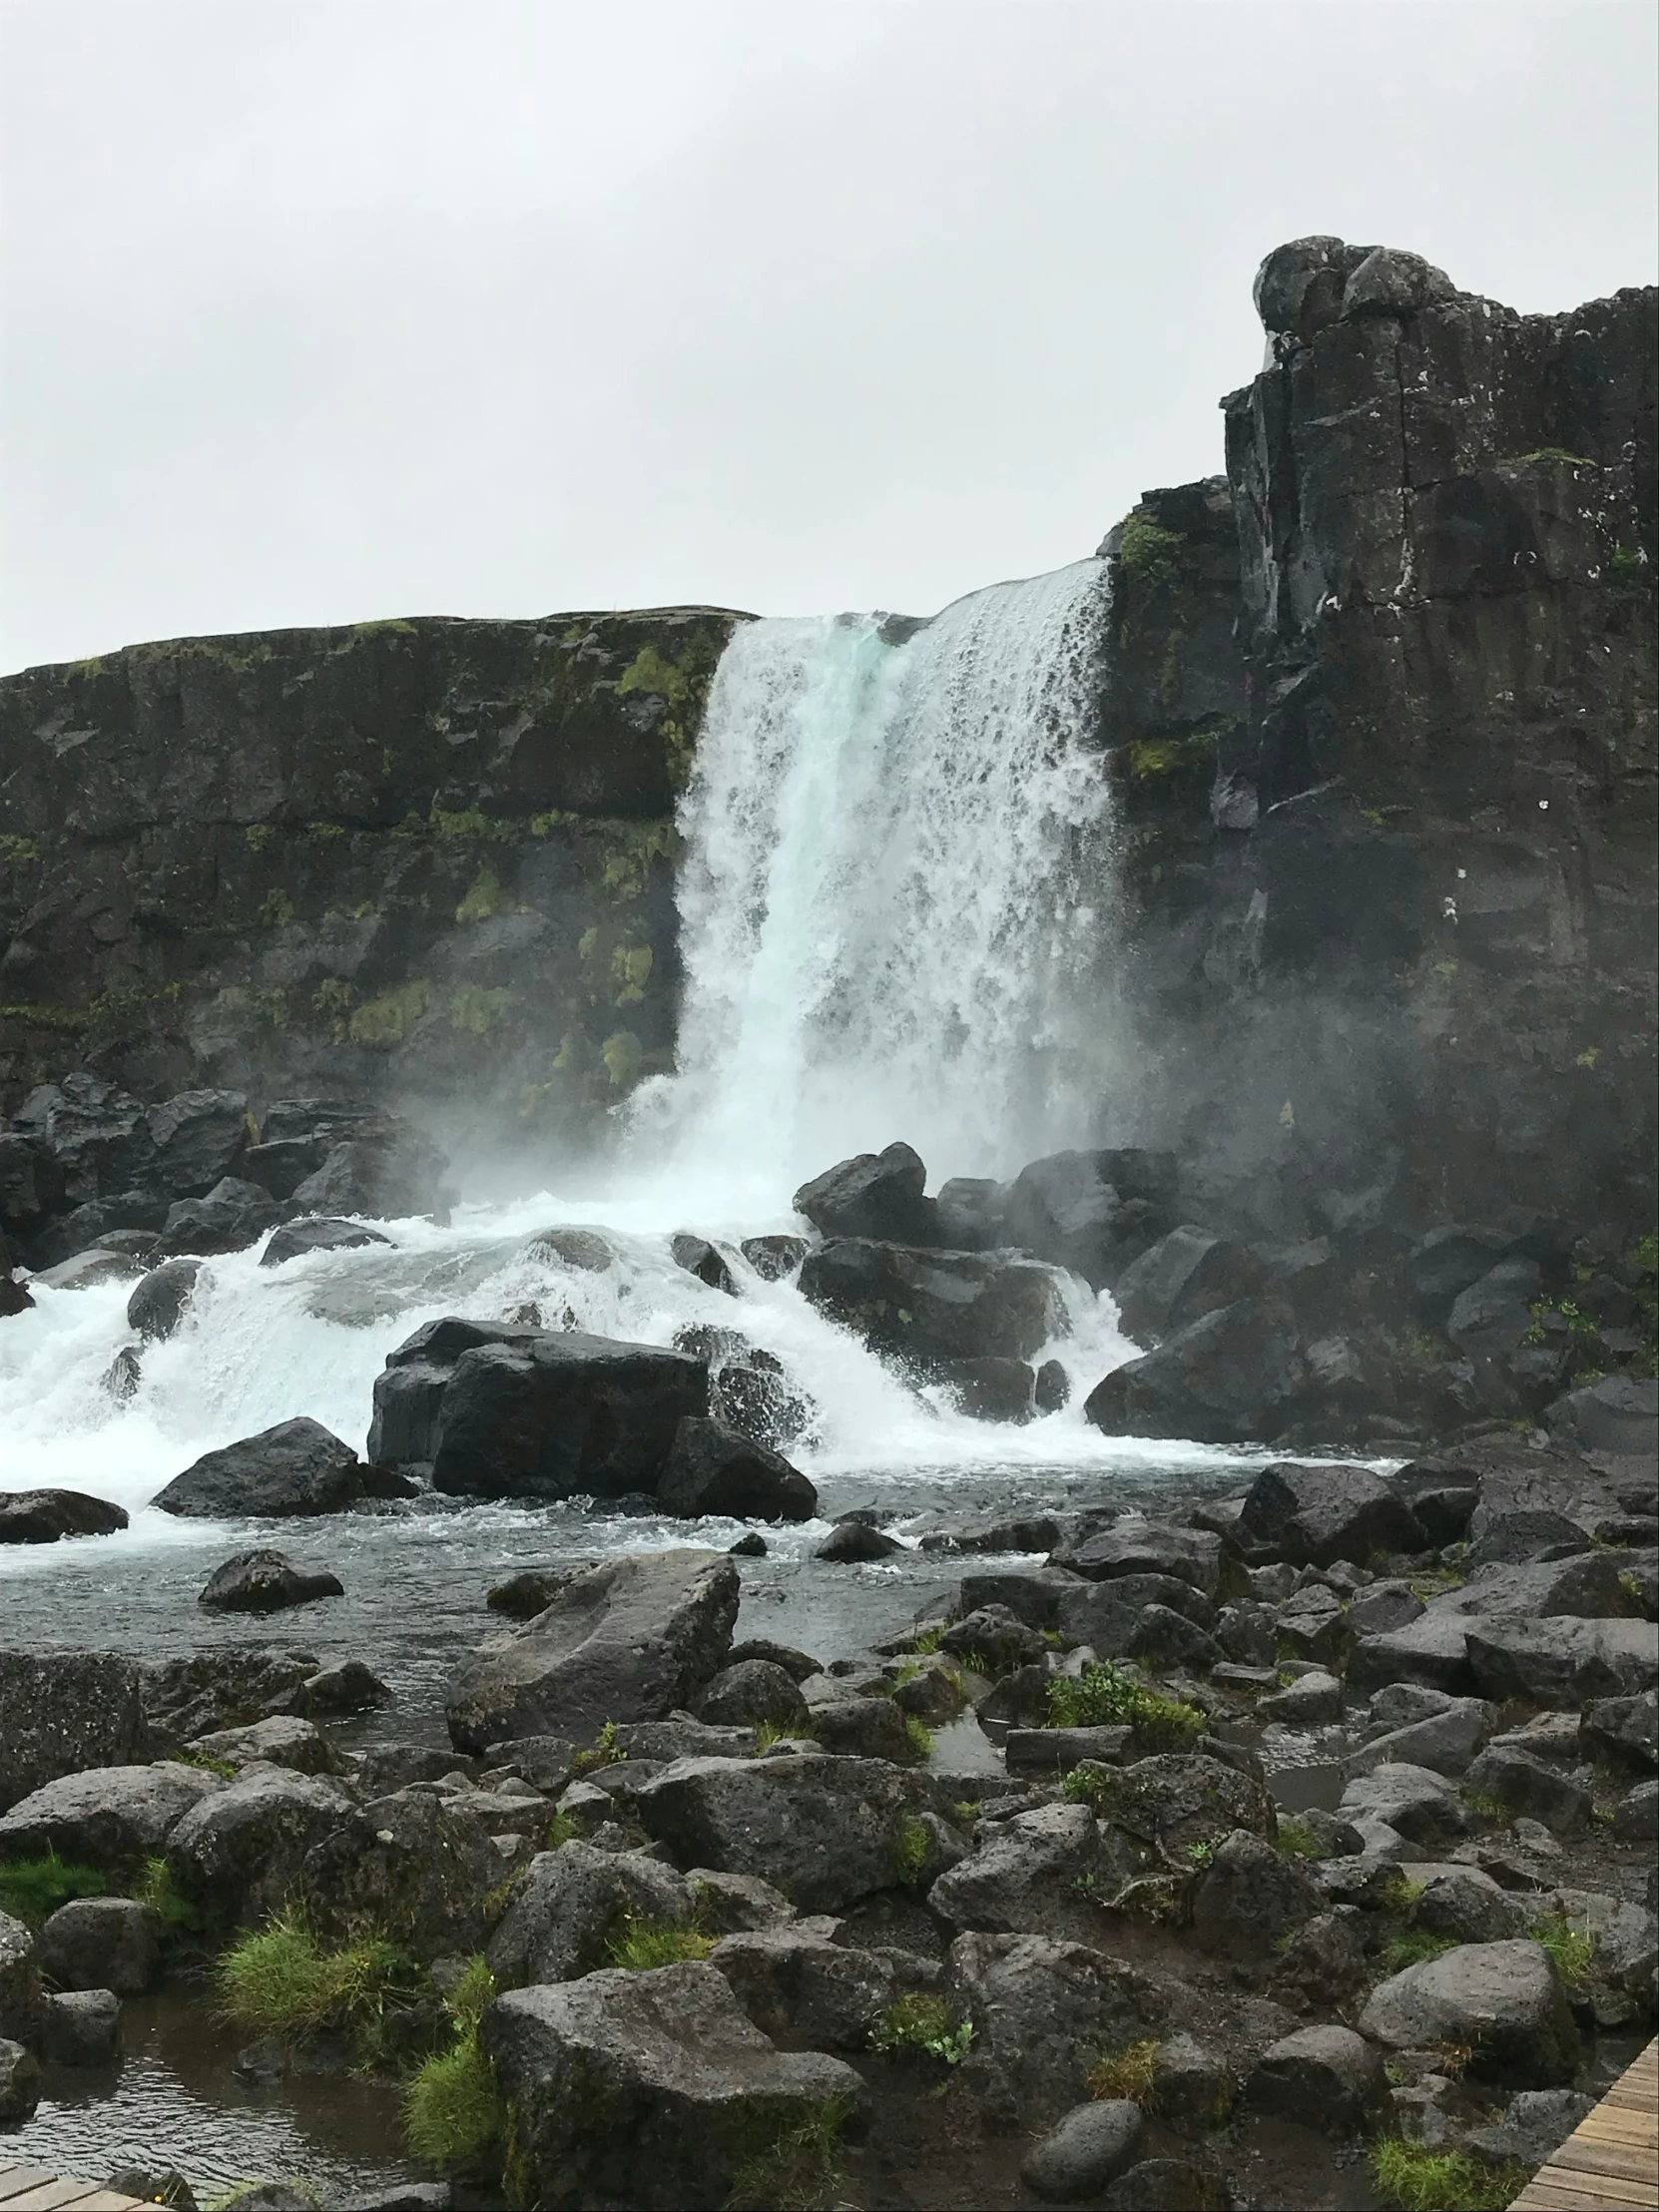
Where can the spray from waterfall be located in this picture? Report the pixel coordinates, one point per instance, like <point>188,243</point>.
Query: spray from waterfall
<point>893,843</point>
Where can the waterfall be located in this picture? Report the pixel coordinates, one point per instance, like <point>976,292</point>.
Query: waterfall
<point>892,834</point>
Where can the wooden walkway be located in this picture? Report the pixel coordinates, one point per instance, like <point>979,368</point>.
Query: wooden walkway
<point>33,2189</point>
<point>1610,2164</point>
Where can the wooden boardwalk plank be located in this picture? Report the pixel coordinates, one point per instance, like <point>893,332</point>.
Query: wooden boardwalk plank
<point>1611,2162</point>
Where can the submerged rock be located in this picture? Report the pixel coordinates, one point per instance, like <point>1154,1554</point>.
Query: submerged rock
<point>265,1582</point>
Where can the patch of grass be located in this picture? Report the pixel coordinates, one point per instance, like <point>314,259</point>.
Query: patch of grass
<point>1125,2072</point>
<point>561,1830</point>
<point>454,2115</point>
<point>1295,1839</point>
<point>1398,1894</point>
<point>911,1850</point>
<point>155,1888</point>
<point>920,1737</point>
<point>1423,2180</point>
<point>639,1946</point>
<point>208,1764</point>
<point>1411,1945</point>
<point>1572,1948</point>
<point>32,1889</point>
<point>605,1752</point>
<point>927,1640</point>
<point>283,1981</point>
<point>966,1811</point>
<point>799,2170</point>
<point>1102,1697</point>
<point>919,2021</point>
<point>773,1731</point>
<point>1487,1806</point>
<point>1088,1785</point>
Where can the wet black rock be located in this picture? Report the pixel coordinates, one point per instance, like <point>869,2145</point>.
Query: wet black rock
<point>506,1412</point>
<point>1313,1515</point>
<point>1230,1378</point>
<point>44,1516</point>
<point>265,1582</point>
<point>878,1195</point>
<point>714,1470</point>
<point>82,2028</point>
<point>233,1215</point>
<point>297,1469</point>
<point>101,1943</point>
<point>990,1389</point>
<point>62,1712</point>
<point>1183,1276</point>
<point>700,1258</point>
<point>852,1543</point>
<point>933,1306</point>
<point>773,1257</point>
<point>1092,1212</point>
<point>296,1238</point>
<point>159,1303</point>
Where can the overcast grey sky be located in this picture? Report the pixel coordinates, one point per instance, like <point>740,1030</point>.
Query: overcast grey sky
<point>317,311</point>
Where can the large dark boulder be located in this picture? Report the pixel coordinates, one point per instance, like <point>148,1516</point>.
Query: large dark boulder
<point>297,1238</point>
<point>933,1306</point>
<point>1181,1278</point>
<point>263,1582</point>
<point>61,1712</point>
<point>159,1303</point>
<point>233,1215</point>
<point>714,1470</point>
<point>408,1392</point>
<point>649,2090</point>
<point>238,1853</point>
<point>1315,1515</point>
<point>105,1817</point>
<point>563,1415</point>
<point>1230,1378</point>
<point>877,1194</point>
<point>297,1469</point>
<point>1503,2000</point>
<point>43,1516</point>
<point>200,1137</point>
<point>634,1638</point>
<point>1091,1211</point>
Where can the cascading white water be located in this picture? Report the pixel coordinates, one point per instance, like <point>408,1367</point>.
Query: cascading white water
<point>893,836</point>
<point>891,843</point>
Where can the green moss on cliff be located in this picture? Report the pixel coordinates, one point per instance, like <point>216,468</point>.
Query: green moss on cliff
<point>483,899</point>
<point>385,1022</point>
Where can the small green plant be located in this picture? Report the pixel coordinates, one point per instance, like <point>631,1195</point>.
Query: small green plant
<point>1411,1945</point>
<point>1632,1589</point>
<point>1103,1697</point>
<point>966,1811</point>
<point>1627,571</point>
<point>155,1888</point>
<point>606,1752</point>
<point>1202,1854</point>
<point>32,1889</point>
<point>927,1640</point>
<point>798,2168</point>
<point>920,1737</point>
<point>1558,453</point>
<point>1423,2180</point>
<point>561,1830</point>
<point>283,1981</point>
<point>1295,1839</point>
<point>208,1764</point>
<point>639,1946</point>
<point>905,1670</point>
<point>1088,1785</point>
<point>925,2024</point>
<point>911,1848</point>
<point>1126,2073</point>
<point>1572,1948</point>
<point>454,2115</point>
<point>1487,1806</point>
<point>1398,1894</point>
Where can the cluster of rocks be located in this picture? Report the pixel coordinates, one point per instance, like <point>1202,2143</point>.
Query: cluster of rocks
<point>1379,1330</point>
<point>95,1186</point>
<point>1119,1946</point>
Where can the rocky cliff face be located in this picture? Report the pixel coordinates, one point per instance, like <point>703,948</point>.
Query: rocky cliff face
<point>431,855</point>
<point>1382,707</point>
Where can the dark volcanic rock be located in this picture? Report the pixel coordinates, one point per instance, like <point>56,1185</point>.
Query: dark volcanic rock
<point>62,1712</point>
<point>990,1389</point>
<point>713,1470</point>
<point>700,1258</point>
<point>265,1582</point>
<point>158,1303</point>
<point>297,1469</point>
<point>773,1257</point>
<point>296,1238</point>
<point>1315,1515</point>
<point>43,1516</point>
<point>933,1306</point>
<point>1181,1278</point>
<point>633,1638</point>
<point>878,1194</point>
<point>233,1215</point>
<point>549,1415</point>
<point>1230,1377</point>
